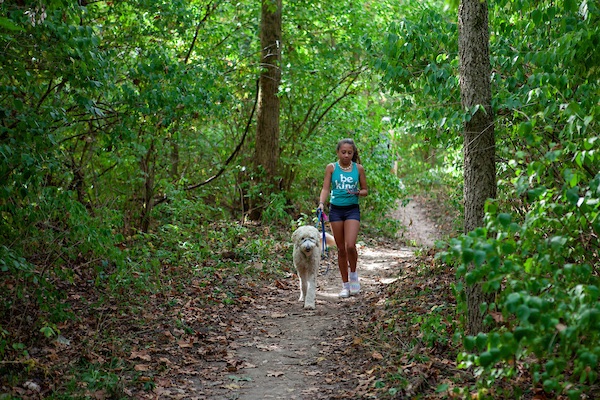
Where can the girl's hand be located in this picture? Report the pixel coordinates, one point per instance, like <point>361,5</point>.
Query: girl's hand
<point>354,192</point>
<point>320,207</point>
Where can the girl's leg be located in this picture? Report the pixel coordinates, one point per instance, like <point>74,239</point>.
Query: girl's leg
<point>338,233</point>
<point>351,227</point>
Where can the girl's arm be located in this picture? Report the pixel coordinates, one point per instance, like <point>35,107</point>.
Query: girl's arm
<point>362,179</point>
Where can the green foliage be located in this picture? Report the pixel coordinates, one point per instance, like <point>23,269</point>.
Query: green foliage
<point>94,377</point>
<point>544,269</point>
<point>418,59</point>
<point>538,251</point>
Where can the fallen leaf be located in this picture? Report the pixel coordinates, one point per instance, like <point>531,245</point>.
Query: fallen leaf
<point>231,386</point>
<point>377,356</point>
<point>142,367</point>
<point>185,344</point>
<point>497,316</point>
<point>142,355</point>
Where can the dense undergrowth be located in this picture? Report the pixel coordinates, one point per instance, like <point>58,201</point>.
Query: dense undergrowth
<point>70,322</point>
<point>539,255</point>
<point>79,344</point>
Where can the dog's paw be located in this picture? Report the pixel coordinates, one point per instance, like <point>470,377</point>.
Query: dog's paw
<point>308,306</point>
<point>301,298</point>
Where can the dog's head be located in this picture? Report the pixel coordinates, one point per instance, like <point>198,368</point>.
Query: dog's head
<point>306,238</point>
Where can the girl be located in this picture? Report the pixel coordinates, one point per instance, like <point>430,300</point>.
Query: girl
<point>349,183</point>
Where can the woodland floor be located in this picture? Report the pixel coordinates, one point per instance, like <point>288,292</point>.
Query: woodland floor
<point>263,344</point>
<point>274,349</point>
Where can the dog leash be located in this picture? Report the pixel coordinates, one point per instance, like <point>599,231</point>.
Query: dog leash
<point>324,248</point>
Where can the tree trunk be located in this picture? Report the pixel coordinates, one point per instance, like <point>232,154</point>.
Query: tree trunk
<point>267,126</point>
<point>147,165</point>
<point>479,142</point>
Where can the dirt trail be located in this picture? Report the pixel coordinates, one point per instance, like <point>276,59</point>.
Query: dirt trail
<point>282,351</point>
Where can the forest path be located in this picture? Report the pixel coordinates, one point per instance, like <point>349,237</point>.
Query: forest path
<point>281,351</point>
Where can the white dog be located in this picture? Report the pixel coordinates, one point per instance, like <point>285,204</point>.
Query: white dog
<point>307,242</point>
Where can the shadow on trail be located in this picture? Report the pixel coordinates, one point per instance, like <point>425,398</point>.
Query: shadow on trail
<point>281,351</point>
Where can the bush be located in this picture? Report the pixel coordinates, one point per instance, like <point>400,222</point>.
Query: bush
<point>544,271</point>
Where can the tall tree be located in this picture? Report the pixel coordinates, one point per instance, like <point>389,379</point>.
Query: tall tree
<point>267,126</point>
<point>479,143</point>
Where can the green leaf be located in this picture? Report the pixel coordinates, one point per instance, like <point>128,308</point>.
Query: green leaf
<point>521,333</point>
<point>508,247</point>
<point>486,358</point>
<point>479,257</point>
<point>525,128</point>
<point>513,301</point>
<point>553,155</point>
<point>535,193</point>
<point>589,359</point>
<point>550,385</point>
<point>467,256</point>
<point>504,219</point>
<point>557,243</point>
<point>523,312</point>
<point>481,340</point>
<point>469,343</point>
<point>442,388</point>
<point>9,24</point>
<point>534,316</point>
<point>534,302</point>
<point>536,16</point>
<point>573,195</point>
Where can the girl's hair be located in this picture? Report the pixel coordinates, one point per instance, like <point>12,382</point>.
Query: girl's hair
<point>355,156</point>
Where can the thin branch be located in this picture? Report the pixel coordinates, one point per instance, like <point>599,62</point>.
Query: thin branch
<point>235,151</point>
<point>48,90</point>
<point>347,92</point>
<point>229,159</point>
<point>209,8</point>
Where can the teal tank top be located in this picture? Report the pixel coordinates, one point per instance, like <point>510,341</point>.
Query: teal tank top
<point>341,182</point>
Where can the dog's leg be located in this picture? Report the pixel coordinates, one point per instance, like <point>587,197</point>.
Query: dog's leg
<point>302,290</point>
<point>309,302</point>
<point>303,285</point>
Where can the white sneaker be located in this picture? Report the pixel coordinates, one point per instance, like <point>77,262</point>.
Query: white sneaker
<point>344,293</point>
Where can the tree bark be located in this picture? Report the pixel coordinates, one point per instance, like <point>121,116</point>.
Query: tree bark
<point>267,126</point>
<point>479,142</point>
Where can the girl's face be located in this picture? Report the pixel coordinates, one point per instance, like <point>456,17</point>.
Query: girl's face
<point>345,153</point>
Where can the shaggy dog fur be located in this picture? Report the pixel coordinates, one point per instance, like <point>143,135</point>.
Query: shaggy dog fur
<point>307,255</point>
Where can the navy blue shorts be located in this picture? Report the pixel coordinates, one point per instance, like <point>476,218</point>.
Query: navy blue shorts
<point>342,213</point>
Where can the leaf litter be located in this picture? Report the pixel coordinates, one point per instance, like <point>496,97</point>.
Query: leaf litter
<point>231,337</point>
